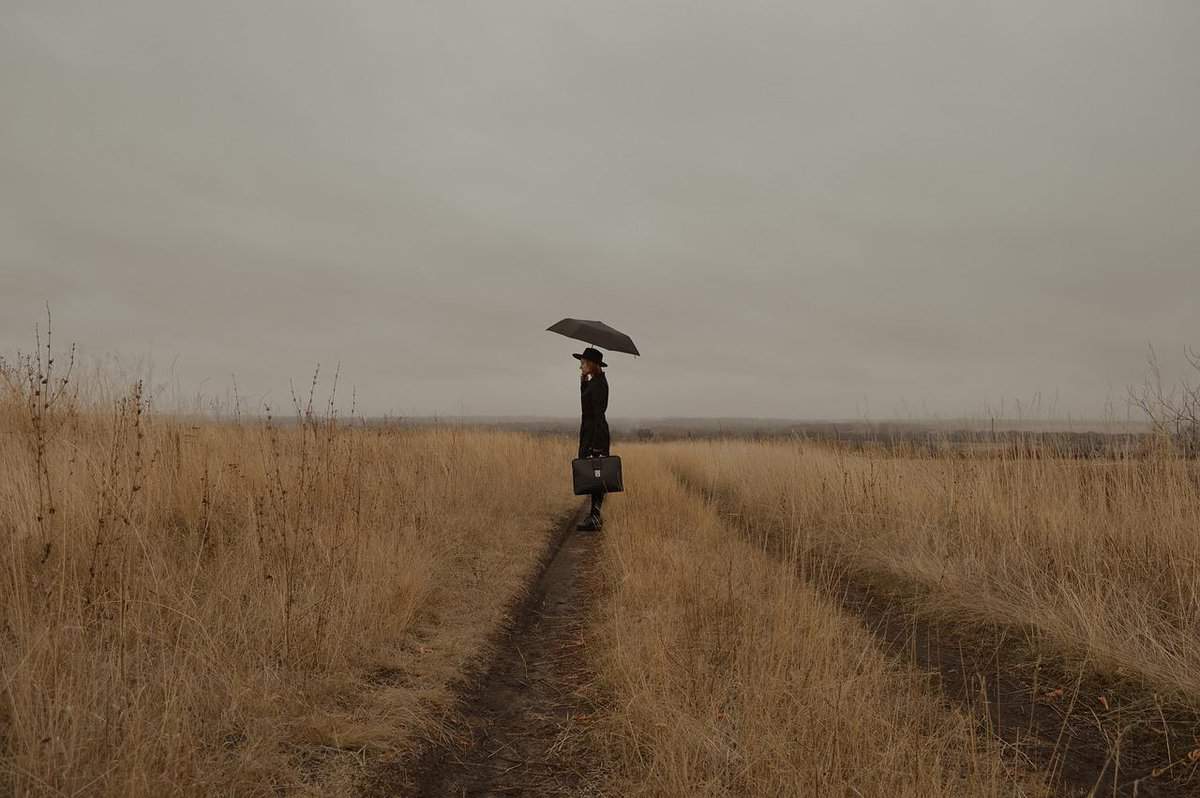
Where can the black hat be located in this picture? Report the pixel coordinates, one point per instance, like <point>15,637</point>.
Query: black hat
<point>593,355</point>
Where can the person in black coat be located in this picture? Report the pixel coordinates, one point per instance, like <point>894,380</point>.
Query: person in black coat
<point>593,427</point>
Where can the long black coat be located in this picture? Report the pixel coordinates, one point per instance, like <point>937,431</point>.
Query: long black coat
<point>593,429</point>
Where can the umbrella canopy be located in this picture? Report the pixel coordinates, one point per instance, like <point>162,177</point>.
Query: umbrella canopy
<point>596,333</point>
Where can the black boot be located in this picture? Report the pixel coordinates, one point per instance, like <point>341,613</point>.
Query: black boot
<point>593,522</point>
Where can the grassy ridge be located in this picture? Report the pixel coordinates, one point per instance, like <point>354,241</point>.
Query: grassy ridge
<point>730,676</point>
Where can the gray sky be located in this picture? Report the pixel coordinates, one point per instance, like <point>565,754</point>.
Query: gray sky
<point>826,209</point>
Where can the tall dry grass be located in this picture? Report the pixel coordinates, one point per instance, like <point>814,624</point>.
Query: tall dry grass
<point>1102,557</point>
<point>728,675</point>
<point>244,608</point>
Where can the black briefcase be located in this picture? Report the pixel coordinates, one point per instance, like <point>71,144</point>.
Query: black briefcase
<point>597,474</point>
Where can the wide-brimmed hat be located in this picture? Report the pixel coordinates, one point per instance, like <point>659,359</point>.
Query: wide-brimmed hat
<point>593,355</point>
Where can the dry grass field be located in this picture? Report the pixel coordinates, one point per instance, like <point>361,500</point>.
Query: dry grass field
<point>246,609</point>
<point>309,607</point>
<point>1102,557</point>
<point>733,676</point>
<point>1050,596</point>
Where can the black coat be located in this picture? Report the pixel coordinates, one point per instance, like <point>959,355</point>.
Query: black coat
<point>593,428</point>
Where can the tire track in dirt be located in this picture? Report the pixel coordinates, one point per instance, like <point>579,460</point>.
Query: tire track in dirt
<point>1089,733</point>
<point>521,727</point>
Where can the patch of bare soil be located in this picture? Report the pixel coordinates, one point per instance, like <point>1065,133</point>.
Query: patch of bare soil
<point>1087,732</point>
<point>521,727</point>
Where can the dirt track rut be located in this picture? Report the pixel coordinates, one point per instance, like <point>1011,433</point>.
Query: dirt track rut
<point>1089,734</point>
<point>522,728</point>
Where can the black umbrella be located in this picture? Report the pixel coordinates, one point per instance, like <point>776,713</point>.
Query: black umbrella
<point>596,333</point>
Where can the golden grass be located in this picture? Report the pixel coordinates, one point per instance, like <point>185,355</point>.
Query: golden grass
<point>249,609</point>
<point>1102,557</point>
<point>729,675</point>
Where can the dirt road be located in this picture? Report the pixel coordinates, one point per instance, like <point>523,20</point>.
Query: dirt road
<point>521,729</point>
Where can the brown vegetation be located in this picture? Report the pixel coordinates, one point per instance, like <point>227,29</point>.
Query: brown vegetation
<point>1101,556</point>
<point>244,608</point>
<point>730,675</point>
<point>265,607</point>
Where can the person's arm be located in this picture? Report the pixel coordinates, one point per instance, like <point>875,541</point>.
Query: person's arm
<point>595,399</point>
<point>601,397</point>
<point>585,432</point>
<point>596,394</point>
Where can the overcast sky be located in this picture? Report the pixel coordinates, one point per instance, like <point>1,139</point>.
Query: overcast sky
<point>822,209</point>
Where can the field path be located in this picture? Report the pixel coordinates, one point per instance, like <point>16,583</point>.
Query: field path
<point>1089,734</point>
<point>520,728</point>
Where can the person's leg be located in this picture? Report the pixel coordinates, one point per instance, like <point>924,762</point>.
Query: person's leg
<point>592,522</point>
